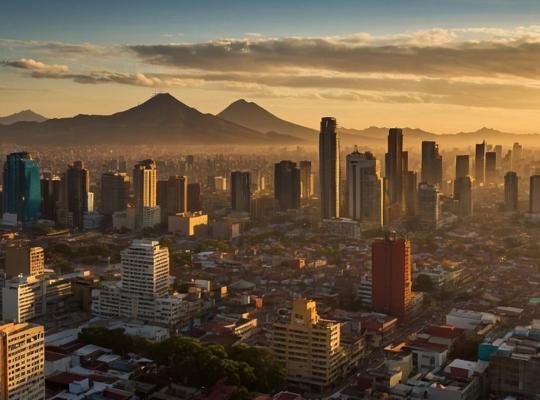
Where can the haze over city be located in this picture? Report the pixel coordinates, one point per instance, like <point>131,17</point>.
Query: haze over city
<point>287,200</point>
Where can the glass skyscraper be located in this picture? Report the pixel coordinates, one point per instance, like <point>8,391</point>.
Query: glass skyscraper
<point>22,188</point>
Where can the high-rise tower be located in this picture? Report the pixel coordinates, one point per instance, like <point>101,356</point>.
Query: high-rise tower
<point>431,164</point>
<point>391,275</point>
<point>480,163</point>
<point>329,168</point>
<point>364,188</point>
<point>144,188</point>
<point>241,191</point>
<point>287,185</point>
<point>511,191</point>
<point>78,186</point>
<point>22,188</point>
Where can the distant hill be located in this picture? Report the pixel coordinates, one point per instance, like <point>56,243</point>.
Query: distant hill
<point>161,120</point>
<point>164,120</point>
<point>253,116</point>
<point>25,115</point>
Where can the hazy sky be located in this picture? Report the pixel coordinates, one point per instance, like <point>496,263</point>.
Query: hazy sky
<point>439,65</point>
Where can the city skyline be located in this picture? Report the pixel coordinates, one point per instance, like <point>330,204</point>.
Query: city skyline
<point>380,64</point>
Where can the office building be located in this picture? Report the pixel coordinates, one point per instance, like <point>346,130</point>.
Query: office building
<point>114,192</point>
<point>22,259</point>
<point>394,168</point>
<point>194,201</point>
<point>311,348</point>
<point>534,194</point>
<point>480,163</point>
<point>143,292</point>
<point>307,189</point>
<point>50,196</point>
<point>287,185</point>
<point>464,196</point>
<point>431,164</point>
<point>391,275</point>
<point>240,191</point>
<point>176,195</point>
<point>144,189</point>
<point>511,191</point>
<point>514,363</point>
<point>491,167</point>
<point>410,193</point>
<point>23,298</point>
<point>21,189</point>
<point>364,189</point>
<point>462,166</point>
<point>429,206</point>
<point>22,362</point>
<point>329,168</point>
<point>185,224</point>
<point>78,186</point>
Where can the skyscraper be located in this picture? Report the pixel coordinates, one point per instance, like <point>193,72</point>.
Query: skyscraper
<point>306,180</point>
<point>78,186</point>
<point>391,275</point>
<point>491,167</point>
<point>176,195</point>
<point>329,168</point>
<point>429,207</point>
<point>410,193</point>
<point>511,191</point>
<point>194,202</point>
<point>240,191</point>
<point>287,185</point>
<point>431,163</point>
<point>22,362</point>
<point>22,188</point>
<point>50,195</point>
<point>463,195</point>
<point>534,194</point>
<point>394,167</point>
<point>462,166</point>
<point>480,163</point>
<point>114,192</point>
<point>144,188</point>
<point>364,188</point>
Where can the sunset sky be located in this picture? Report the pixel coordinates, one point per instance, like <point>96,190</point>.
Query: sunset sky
<point>444,66</point>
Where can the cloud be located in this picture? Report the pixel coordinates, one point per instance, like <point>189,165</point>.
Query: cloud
<point>62,49</point>
<point>472,67</point>
<point>435,52</point>
<point>37,66</point>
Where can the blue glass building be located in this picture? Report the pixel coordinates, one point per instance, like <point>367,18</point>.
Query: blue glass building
<point>22,188</point>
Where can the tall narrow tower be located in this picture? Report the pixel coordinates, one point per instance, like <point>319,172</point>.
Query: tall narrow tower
<point>394,166</point>
<point>480,163</point>
<point>329,168</point>
<point>145,188</point>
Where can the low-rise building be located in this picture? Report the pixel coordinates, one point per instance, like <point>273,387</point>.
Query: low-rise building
<point>185,224</point>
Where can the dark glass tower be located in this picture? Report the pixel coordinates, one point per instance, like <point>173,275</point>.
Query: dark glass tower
<point>329,168</point>
<point>22,188</point>
<point>287,185</point>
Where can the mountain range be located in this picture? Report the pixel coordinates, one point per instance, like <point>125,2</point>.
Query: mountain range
<point>165,120</point>
<point>25,115</point>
